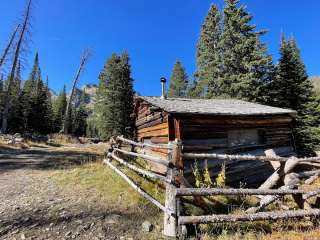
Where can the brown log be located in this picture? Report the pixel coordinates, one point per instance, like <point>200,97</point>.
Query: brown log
<point>153,128</point>
<point>157,140</point>
<point>156,133</point>
<point>153,123</point>
<point>276,215</point>
<point>150,118</point>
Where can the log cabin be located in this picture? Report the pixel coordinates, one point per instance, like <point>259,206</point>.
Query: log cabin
<point>225,126</point>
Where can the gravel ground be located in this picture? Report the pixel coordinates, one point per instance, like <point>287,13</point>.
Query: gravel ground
<point>33,206</point>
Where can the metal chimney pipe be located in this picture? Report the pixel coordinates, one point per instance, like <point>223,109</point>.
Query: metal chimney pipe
<point>163,81</point>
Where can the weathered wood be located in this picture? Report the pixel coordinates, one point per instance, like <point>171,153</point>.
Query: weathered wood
<point>242,191</point>
<point>157,140</point>
<point>281,171</point>
<point>149,118</point>
<point>156,133</point>
<point>152,123</point>
<point>237,120</point>
<point>276,215</point>
<point>139,190</point>
<point>139,170</point>
<point>312,179</point>
<point>143,145</point>
<point>311,194</point>
<point>153,128</point>
<point>272,153</point>
<point>170,221</point>
<point>150,158</point>
<point>231,157</point>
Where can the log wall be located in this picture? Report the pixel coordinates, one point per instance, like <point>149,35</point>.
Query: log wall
<point>212,135</point>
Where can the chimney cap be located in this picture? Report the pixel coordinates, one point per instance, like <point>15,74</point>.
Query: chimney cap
<point>163,79</point>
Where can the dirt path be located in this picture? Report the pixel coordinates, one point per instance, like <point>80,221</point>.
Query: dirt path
<point>33,206</point>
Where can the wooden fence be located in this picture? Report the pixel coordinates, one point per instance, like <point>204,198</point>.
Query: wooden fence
<point>176,186</point>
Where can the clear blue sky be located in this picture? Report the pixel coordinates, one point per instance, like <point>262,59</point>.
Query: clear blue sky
<point>155,33</point>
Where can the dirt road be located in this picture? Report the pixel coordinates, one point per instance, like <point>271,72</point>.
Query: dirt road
<point>33,206</point>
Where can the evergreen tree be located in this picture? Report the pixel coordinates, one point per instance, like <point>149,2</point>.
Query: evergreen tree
<point>208,55</point>
<point>80,114</point>
<point>35,102</point>
<point>59,109</point>
<point>245,66</point>
<point>292,89</point>
<point>178,81</point>
<point>15,116</point>
<point>115,98</point>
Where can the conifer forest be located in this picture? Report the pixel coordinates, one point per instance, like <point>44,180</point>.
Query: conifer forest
<point>57,122</point>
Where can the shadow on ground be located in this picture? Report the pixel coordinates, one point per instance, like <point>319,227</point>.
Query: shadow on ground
<point>44,159</point>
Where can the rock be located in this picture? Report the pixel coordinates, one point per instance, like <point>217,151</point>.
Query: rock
<point>23,236</point>
<point>68,234</point>
<point>91,225</point>
<point>147,226</point>
<point>112,219</point>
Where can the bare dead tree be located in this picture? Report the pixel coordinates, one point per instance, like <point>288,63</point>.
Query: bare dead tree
<point>9,45</point>
<point>83,60</point>
<point>19,47</point>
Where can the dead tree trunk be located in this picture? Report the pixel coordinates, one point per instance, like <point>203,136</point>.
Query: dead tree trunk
<point>6,50</point>
<point>66,124</point>
<point>24,29</point>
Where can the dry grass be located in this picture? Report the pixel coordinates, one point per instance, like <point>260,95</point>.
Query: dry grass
<point>113,193</point>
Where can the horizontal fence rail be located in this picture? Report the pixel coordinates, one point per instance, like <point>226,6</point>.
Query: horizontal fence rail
<point>143,145</point>
<point>244,157</point>
<point>138,189</point>
<point>276,215</point>
<point>147,157</point>
<point>174,218</point>
<point>139,170</point>
<point>231,191</point>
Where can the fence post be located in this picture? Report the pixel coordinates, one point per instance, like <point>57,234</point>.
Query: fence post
<point>171,221</point>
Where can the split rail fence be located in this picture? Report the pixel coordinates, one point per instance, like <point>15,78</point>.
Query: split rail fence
<point>176,189</point>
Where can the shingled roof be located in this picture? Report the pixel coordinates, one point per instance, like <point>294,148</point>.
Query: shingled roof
<point>214,107</point>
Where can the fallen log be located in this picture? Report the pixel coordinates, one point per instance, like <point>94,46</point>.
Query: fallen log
<point>291,182</point>
<point>280,172</point>
<point>276,215</point>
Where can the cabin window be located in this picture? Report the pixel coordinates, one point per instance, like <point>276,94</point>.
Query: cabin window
<point>245,137</point>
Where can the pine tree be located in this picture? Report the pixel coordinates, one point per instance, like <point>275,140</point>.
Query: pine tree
<point>59,109</point>
<point>35,102</point>
<point>292,89</point>
<point>208,55</point>
<point>15,116</point>
<point>178,81</point>
<point>115,98</point>
<point>80,114</point>
<point>245,66</point>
